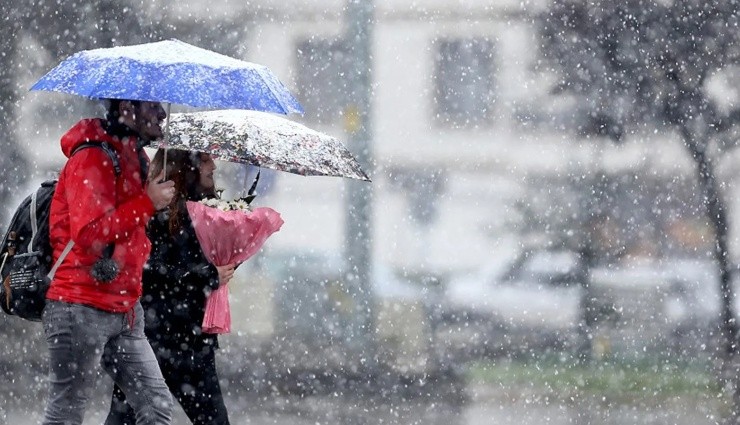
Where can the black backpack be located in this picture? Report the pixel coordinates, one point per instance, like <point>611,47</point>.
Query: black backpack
<point>25,253</point>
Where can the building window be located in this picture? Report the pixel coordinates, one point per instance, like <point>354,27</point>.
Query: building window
<point>464,82</point>
<point>322,78</point>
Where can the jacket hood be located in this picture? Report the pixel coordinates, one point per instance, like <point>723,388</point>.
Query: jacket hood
<point>87,130</point>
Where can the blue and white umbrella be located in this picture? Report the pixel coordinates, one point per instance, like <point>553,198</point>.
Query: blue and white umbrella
<point>170,72</point>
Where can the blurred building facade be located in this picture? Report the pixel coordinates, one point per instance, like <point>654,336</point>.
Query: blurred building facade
<point>467,136</point>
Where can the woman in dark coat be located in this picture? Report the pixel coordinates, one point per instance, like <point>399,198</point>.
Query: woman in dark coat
<point>177,279</point>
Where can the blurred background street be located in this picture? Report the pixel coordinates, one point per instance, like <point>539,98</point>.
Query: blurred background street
<point>550,237</point>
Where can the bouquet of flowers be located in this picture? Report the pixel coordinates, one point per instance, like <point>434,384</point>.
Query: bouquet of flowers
<point>229,232</point>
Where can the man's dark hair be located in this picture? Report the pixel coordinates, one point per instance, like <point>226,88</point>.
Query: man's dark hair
<point>113,113</point>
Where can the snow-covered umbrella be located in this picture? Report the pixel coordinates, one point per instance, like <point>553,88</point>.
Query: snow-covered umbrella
<point>170,71</point>
<point>262,139</point>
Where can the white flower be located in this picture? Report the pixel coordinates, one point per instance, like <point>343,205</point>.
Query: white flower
<point>211,202</point>
<point>224,205</point>
<point>241,205</point>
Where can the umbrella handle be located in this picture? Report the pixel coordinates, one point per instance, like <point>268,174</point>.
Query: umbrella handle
<point>254,184</point>
<point>166,140</point>
<point>250,194</point>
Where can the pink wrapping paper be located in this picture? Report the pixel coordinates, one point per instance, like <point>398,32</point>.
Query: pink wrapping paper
<point>228,237</point>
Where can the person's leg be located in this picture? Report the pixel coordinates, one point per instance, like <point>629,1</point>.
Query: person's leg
<point>131,363</point>
<point>199,391</point>
<point>76,336</point>
<point>120,413</point>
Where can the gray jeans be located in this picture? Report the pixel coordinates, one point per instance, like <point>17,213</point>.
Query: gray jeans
<point>79,337</point>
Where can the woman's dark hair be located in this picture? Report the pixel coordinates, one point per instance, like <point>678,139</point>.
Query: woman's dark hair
<point>183,170</point>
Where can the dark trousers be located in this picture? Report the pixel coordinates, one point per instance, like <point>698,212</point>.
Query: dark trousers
<point>193,381</point>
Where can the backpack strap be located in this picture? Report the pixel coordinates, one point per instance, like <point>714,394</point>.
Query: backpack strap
<point>58,263</point>
<point>113,155</point>
<point>34,223</point>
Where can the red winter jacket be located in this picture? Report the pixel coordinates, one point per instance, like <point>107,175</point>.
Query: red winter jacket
<point>95,208</point>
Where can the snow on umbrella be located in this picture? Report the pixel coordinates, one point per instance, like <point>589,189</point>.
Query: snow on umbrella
<point>170,72</point>
<point>264,140</point>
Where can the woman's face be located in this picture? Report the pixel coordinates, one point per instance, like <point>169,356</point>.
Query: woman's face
<point>206,168</point>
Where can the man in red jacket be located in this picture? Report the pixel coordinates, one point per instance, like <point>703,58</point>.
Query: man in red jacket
<point>87,319</point>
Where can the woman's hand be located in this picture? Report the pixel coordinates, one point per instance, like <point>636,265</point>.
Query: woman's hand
<point>225,273</point>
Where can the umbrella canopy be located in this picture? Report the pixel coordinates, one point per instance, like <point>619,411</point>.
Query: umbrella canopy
<point>170,72</point>
<point>262,139</point>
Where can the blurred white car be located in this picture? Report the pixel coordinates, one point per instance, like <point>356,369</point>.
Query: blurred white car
<point>529,303</point>
<point>533,303</point>
<point>669,306</point>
